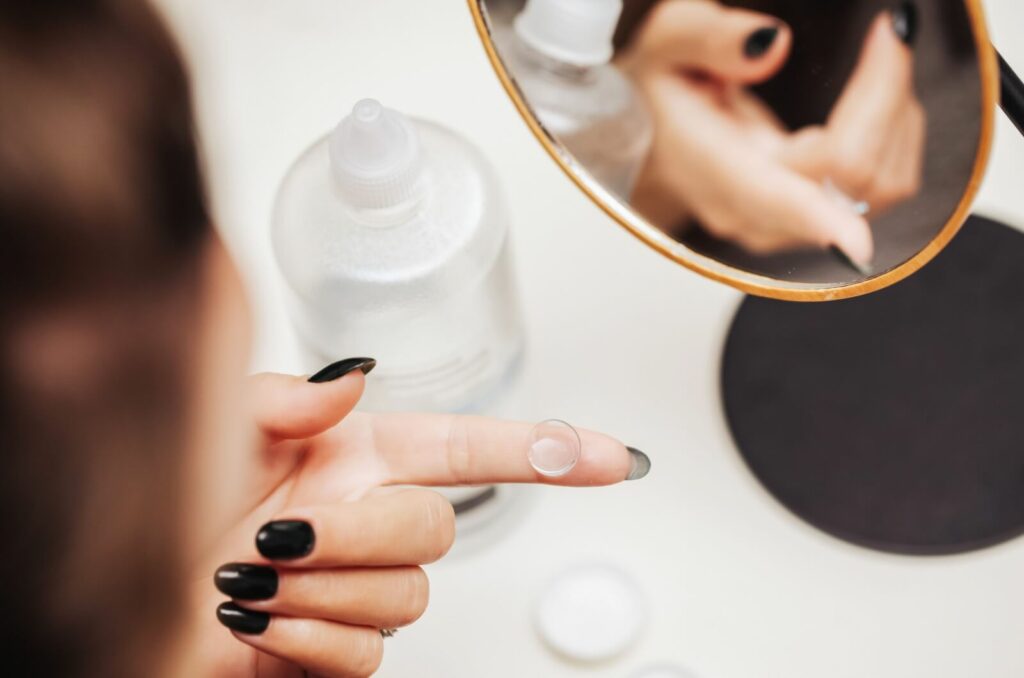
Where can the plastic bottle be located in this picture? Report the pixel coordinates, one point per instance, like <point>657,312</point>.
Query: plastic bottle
<point>391,233</point>
<point>559,52</point>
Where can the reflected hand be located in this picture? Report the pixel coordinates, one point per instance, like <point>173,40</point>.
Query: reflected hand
<point>345,562</point>
<point>721,156</point>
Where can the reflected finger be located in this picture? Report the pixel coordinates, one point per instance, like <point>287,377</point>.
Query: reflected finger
<point>800,209</point>
<point>736,45</point>
<point>864,125</point>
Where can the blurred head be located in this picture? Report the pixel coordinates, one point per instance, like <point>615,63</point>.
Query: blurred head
<point>123,335</point>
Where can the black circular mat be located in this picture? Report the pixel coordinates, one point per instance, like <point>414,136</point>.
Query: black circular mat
<point>895,420</point>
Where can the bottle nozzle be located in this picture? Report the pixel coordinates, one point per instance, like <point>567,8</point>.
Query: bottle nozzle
<point>578,32</point>
<point>375,156</point>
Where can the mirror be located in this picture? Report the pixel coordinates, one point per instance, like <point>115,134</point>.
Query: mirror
<point>796,149</point>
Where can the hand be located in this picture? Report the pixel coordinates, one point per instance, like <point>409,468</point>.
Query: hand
<point>720,155</point>
<point>339,545</point>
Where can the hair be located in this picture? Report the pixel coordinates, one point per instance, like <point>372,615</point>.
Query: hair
<point>102,227</point>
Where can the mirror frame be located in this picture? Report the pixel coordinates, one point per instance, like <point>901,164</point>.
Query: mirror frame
<point>745,281</point>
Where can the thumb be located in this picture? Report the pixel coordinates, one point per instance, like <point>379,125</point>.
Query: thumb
<point>734,45</point>
<point>290,407</point>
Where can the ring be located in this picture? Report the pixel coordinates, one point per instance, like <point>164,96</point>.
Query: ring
<point>388,633</point>
<point>858,207</point>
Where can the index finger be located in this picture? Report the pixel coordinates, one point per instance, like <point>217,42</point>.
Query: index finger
<point>447,449</point>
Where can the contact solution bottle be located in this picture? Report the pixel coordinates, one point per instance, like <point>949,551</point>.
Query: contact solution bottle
<point>392,235</point>
<point>559,53</point>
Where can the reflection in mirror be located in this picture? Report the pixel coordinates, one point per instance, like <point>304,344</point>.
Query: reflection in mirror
<point>810,142</point>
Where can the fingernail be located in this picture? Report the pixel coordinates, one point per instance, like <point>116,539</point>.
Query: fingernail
<point>904,22</point>
<point>342,367</point>
<point>242,581</point>
<point>242,620</point>
<point>285,539</point>
<point>640,464</point>
<point>863,269</point>
<point>760,41</point>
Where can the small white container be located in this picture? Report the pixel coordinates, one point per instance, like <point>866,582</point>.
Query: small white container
<point>591,613</point>
<point>662,671</point>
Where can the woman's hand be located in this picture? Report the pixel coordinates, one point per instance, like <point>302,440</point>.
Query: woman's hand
<point>327,552</point>
<point>720,156</point>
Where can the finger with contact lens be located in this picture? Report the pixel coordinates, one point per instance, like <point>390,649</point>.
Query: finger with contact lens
<point>448,450</point>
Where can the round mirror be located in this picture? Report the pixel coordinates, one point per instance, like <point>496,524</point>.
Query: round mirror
<point>796,149</point>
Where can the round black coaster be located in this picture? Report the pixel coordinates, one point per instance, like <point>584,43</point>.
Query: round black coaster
<point>895,420</point>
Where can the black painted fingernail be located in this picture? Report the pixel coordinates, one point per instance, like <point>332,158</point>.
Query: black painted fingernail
<point>640,464</point>
<point>342,367</point>
<point>285,539</point>
<point>863,269</point>
<point>904,22</point>
<point>242,620</point>
<point>242,581</point>
<point>760,41</point>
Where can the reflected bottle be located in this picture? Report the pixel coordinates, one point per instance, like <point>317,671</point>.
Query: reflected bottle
<point>392,235</point>
<point>559,53</point>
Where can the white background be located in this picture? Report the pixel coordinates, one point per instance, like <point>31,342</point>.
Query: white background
<point>621,340</point>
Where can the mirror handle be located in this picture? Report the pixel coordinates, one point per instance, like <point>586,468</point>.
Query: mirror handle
<point>1011,94</point>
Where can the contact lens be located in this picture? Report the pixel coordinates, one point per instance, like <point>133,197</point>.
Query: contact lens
<point>554,448</point>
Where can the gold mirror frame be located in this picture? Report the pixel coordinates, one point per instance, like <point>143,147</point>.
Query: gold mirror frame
<point>749,282</point>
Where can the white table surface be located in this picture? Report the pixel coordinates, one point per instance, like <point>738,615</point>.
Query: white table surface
<point>621,340</point>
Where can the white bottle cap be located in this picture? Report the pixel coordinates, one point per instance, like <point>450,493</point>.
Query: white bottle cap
<point>591,613</point>
<point>375,157</point>
<point>578,32</point>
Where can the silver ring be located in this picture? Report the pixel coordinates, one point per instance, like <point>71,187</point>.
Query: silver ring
<point>858,207</point>
<point>388,633</point>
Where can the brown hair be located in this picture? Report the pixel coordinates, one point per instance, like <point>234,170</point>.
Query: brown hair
<point>102,221</point>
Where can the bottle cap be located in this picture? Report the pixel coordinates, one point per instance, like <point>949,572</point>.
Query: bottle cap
<point>578,32</point>
<point>375,157</point>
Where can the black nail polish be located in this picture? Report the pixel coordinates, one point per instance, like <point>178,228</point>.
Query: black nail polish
<point>242,581</point>
<point>904,22</point>
<point>842,257</point>
<point>641,464</point>
<point>285,539</point>
<point>342,367</point>
<point>760,41</point>
<point>242,620</point>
